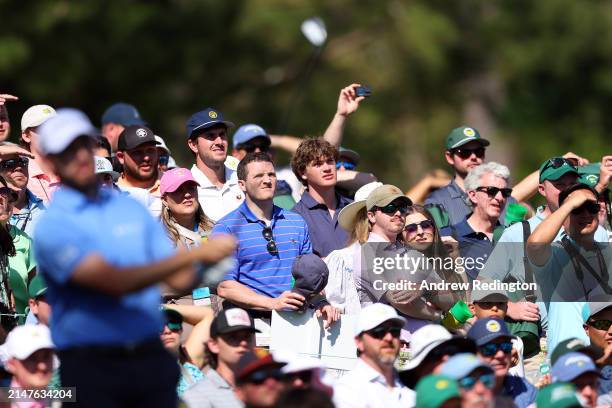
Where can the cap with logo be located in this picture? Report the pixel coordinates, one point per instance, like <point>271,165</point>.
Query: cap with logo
<point>385,195</point>
<point>174,178</point>
<point>204,119</point>
<point>575,344</point>
<point>58,132</point>
<point>346,216</point>
<point>231,320</point>
<point>434,390</point>
<point>572,365</point>
<point>462,135</point>
<point>134,136</point>
<point>23,341</point>
<point>37,287</point>
<point>486,330</point>
<point>36,115</point>
<point>376,314</point>
<point>589,174</point>
<point>122,114</point>
<point>248,132</point>
<point>174,319</point>
<point>104,166</point>
<point>558,395</point>
<point>550,173</point>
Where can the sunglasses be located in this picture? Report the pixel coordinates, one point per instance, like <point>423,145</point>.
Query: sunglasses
<point>250,148</point>
<point>271,246</point>
<point>163,160</point>
<point>492,191</point>
<point>260,377</point>
<point>346,164</point>
<point>11,164</point>
<point>393,208</point>
<point>380,332</point>
<point>467,153</point>
<point>590,206</point>
<point>600,324</point>
<point>467,383</point>
<point>413,228</point>
<point>490,349</point>
<point>557,162</point>
<point>304,376</point>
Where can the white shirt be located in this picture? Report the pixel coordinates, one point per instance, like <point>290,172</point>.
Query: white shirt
<point>153,204</point>
<point>341,290</point>
<point>364,387</point>
<point>218,202</point>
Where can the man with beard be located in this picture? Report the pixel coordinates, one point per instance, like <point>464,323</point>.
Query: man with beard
<point>487,188</point>
<point>137,153</point>
<point>374,382</point>
<point>28,207</point>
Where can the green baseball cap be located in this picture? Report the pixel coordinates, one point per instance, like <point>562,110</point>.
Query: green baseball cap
<point>555,168</point>
<point>37,287</point>
<point>589,174</point>
<point>434,390</point>
<point>558,395</point>
<point>462,135</point>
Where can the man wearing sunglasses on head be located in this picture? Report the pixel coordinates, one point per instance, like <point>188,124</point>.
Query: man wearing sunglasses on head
<point>374,382</point>
<point>488,191</point>
<point>494,346</point>
<point>27,208</point>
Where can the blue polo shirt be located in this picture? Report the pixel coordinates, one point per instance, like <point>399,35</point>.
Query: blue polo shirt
<point>325,232</point>
<point>473,245</point>
<point>123,232</point>
<point>255,267</point>
<point>28,217</point>
<point>456,202</point>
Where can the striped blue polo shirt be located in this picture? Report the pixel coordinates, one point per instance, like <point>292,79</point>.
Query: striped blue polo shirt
<point>256,268</point>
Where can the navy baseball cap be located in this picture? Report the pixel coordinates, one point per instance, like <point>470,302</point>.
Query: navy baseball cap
<point>310,274</point>
<point>123,114</point>
<point>487,330</point>
<point>572,365</point>
<point>204,119</point>
<point>248,132</point>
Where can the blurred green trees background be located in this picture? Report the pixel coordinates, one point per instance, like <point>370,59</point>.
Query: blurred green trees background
<point>534,77</point>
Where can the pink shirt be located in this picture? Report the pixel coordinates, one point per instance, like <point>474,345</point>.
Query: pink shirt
<point>41,184</point>
<point>25,404</point>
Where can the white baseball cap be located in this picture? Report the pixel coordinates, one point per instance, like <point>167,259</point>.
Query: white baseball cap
<point>56,134</point>
<point>374,315</point>
<point>162,144</point>
<point>36,115</point>
<point>429,337</point>
<point>23,341</point>
<point>103,166</point>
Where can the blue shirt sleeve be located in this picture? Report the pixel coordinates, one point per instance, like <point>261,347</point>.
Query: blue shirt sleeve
<point>306,244</point>
<point>60,248</point>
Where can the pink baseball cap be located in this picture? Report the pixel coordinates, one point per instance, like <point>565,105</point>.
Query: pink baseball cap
<point>173,179</point>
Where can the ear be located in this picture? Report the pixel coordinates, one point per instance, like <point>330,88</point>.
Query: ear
<point>586,328</point>
<point>472,196</point>
<point>26,136</point>
<point>541,189</point>
<point>472,308</point>
<point>371,217</point>
<point>33,306</point>
<point>359,344</point>
<point>192,144</point>
<point>242,185</point>
<point>449,157</point>
<point>120,156</point>
<point>240,394</point>
<point>11,365</point>
<point>213,345</point>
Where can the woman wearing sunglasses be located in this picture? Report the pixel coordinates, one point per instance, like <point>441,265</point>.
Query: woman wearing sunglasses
<point>17,263</point>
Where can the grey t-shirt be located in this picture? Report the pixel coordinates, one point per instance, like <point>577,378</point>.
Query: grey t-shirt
<point>212,392</point>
